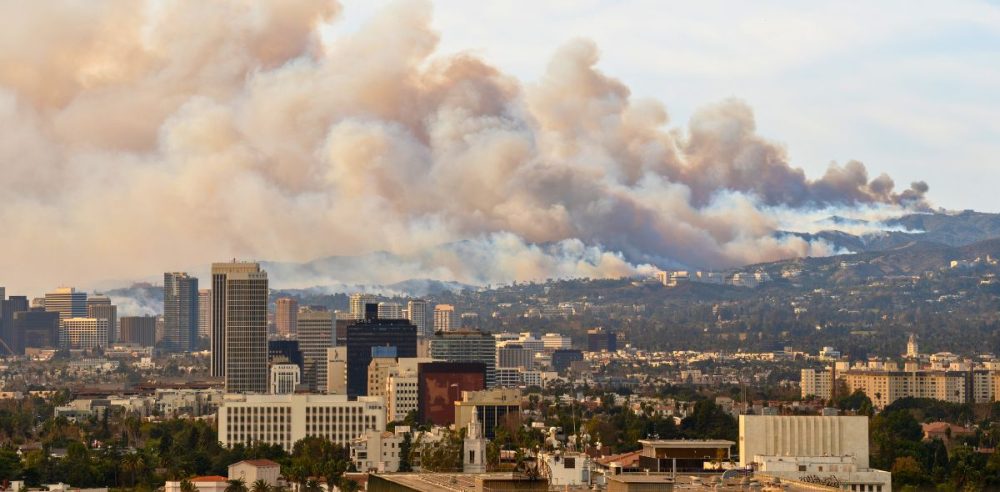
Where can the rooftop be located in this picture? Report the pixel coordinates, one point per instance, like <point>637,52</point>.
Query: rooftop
<point>687,443</point>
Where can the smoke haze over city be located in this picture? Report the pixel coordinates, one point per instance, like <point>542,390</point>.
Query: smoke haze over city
<point>143,137</point>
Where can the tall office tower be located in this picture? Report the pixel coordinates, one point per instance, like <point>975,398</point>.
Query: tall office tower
<point>341,320</point>
<point>67,302</point>
<point>205,313</point>
<point>372,332</point>
<point>444,318</point>
<point>467,346</point>
<point>358,302</point>
<point>286,312</point>
<point>36,328</point>
<point>315,336</point>
<point>180,312</point>
<point>83,333</point>
<point>416,312</point>
<point>3,293</point>
<point>100,307</point>
<point>336,370</point>
<point>139,330</point>
<point>8,334</point>
<point>390,310</point>
<point>239,326</point>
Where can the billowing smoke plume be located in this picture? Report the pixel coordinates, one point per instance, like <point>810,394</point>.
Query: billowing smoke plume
<point>142,137</point>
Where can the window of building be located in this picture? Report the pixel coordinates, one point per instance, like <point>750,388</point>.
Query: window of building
<point>570,462</point>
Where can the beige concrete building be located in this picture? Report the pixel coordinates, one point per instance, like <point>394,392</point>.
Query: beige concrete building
<point>795,446</point>
<point>803,435</point>
<point>444,318</point>
<point>491,407</point>
<point>817,383</point>
<point>252,470</point>
<point>336,370</point>
<point>316,335</point>
<point>887,386</point>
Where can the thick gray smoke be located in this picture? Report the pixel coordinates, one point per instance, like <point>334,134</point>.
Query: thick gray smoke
<point>142,137</point>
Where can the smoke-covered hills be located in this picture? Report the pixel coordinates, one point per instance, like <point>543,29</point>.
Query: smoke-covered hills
<point>952,229</point>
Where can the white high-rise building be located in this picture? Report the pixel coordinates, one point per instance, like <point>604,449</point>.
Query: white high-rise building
<point>358,302</point>
<point>83,333</point>
<point>444,318</point>
<point>286,419</point>
<point>390,310</point>
<point>416,312</point>
<point>284,378</point>
<point>239,326</point>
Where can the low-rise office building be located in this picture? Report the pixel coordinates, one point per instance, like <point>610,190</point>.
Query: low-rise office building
<point>286,419</point>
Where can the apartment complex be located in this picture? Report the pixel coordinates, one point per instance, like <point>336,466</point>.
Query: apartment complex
<point>444,318</point>
<point>285,419</point>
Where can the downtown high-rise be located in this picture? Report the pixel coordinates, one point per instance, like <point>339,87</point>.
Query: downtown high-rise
<point>180,312</point>
<point>239,326</point>
<point>286,311</point>
<point>416,312</point>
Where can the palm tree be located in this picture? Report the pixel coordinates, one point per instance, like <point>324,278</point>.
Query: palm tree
<point>187,486</point>
<point>260,485</point>
<point>236,485</point>
<point>132,463</point>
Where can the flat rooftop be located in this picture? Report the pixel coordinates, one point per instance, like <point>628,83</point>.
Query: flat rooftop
<point>687,443</point>
<point>454,482</point>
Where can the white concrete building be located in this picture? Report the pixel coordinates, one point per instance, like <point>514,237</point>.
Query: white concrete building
<point>378,451</point>
<point>252,470</point>
<point>555,341</point>
<point>845,468</point>
<point>284,378</point>
<point>83,333</point>
<point>390,310</point>
<point>565,469</point>
<point>285,419</point>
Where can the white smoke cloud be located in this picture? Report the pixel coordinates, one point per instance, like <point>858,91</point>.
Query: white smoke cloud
<point>139,137</point>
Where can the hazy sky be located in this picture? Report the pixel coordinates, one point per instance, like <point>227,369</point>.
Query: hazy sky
<point>582,138</point>
<point>909,88</point>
